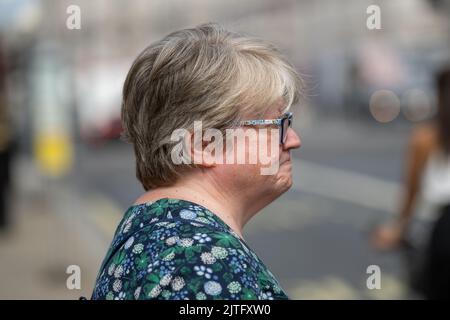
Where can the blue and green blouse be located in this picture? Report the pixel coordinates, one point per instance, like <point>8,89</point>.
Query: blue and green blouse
<point>176,249</point>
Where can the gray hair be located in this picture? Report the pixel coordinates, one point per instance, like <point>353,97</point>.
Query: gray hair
<point>204,73</point>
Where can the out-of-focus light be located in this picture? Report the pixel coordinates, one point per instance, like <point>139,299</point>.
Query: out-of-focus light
<point>416,105</point>
<point>384,106</point>
<point>20,15</point>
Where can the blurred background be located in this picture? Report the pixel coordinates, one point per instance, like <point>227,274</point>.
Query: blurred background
<point>66,178</point>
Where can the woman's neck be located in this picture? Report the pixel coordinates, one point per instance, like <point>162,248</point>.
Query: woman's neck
<point>228,207</point>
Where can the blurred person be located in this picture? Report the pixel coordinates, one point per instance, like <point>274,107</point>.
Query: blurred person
<point>428,172</point>
<point>182,239</point>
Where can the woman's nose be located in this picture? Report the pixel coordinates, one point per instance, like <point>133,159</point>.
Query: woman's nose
<point>293,140</point>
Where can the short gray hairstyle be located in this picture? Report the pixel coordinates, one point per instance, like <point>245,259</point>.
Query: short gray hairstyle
<point>204,73</point>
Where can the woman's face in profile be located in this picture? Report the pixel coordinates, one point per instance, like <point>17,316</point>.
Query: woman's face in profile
<point>267,169</point>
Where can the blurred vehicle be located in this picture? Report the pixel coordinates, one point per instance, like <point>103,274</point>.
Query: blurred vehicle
<point>99,87</point>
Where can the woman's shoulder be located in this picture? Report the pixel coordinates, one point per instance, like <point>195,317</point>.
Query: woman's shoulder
<point>182,261</point>
<point>166,212</point>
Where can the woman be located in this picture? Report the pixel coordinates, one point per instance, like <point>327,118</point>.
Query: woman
<point>429,173</point>
<point>182,239</point>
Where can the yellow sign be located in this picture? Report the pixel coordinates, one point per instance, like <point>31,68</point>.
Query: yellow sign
<point>54,153</point>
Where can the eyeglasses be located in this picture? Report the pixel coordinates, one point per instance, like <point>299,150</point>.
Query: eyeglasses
<point>283,123</point>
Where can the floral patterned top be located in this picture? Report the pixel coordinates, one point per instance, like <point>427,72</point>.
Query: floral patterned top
<point>176,249</point>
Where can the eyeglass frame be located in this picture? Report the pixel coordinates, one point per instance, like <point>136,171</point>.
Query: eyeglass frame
<point>288,116</point>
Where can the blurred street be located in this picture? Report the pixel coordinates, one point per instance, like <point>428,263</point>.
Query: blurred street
<point>324,225</point>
